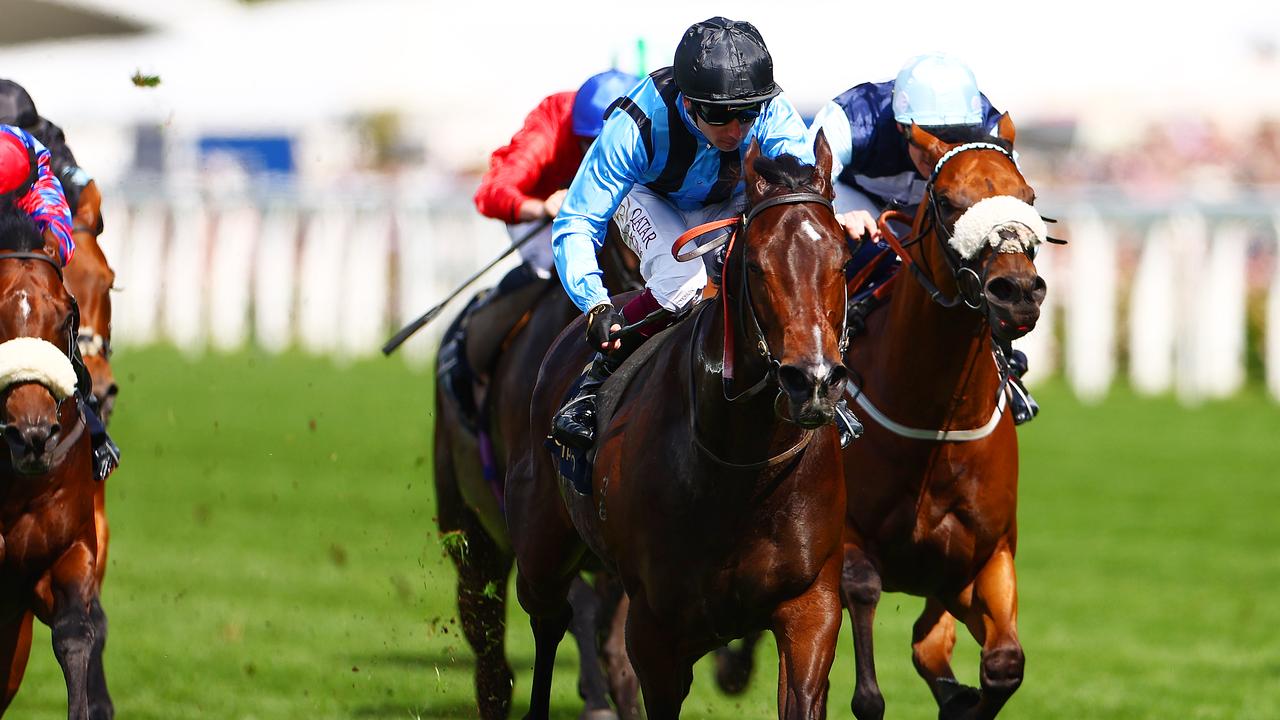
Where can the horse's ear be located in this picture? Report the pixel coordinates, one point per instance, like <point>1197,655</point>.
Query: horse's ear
<point>933,147</point>
<point>1006,129</point>
<point>756,185</point>
<point>822,165</point>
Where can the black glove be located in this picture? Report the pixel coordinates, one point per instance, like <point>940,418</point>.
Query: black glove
<point>599,320</point>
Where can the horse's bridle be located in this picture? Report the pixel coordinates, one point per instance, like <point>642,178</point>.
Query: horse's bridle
<point>762,342</point>
<point>970,283</point>
<point>748,305</point>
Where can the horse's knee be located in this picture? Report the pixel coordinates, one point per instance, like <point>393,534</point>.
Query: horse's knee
<point>860,583</point>
<point>1002,668</point>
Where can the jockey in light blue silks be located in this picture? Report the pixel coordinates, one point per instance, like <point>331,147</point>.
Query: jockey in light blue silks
<point>669,158</point>
<point>878,169</point>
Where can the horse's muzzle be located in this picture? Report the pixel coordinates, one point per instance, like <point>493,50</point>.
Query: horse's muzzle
<point>812,391</point>
<point>31,446</point>
<point>1014,304</point>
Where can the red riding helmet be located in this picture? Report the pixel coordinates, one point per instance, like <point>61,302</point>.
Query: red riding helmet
<point>15,163</point>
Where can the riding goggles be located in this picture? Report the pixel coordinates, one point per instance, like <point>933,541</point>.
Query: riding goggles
<point>723,114</point>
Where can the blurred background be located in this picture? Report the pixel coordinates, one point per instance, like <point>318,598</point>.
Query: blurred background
<point>286,182</point>
<point>267,153</point>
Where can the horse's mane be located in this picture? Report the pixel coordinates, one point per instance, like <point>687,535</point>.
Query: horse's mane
<point>17,231</point>
<point>787,171</point>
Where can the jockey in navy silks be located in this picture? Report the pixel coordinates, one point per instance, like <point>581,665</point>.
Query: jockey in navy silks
<point>26,177</point>
<point>669,158</point>
<point>877,169</point>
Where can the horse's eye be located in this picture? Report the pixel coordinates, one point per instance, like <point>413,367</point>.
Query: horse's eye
<point>752,267</point>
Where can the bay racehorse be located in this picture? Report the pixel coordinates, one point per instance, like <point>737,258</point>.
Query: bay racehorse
<point>49,555</point>
<point>89,279</point>
<point>933,484</point>
<point>716,489</point>
<point>469,493</point>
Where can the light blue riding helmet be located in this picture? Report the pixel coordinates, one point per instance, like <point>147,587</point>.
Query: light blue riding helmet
<point>936,89</point>
<point>595,96</point>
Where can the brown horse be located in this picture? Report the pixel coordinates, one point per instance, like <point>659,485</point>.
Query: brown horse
<point>89,279</point>
<point>50,544</point>
<point>718,506</point>
<point>469,506</point>
<point>933,484</point>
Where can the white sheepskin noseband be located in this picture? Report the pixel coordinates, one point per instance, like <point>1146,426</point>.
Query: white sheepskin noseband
<point>987,221</point>
<point>28,359</point>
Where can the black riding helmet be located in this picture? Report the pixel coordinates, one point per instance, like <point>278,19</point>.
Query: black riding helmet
<point>724,62</point>
<point>16,106</point>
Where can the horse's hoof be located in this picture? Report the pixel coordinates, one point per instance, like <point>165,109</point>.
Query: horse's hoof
<point>598,714</point>
<point>956,701</point>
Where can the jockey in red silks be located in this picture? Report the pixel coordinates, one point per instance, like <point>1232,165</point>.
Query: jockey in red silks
<point>25,176</point>
<point>523,188</point>
<point>25,173</point>
<point>528,177</point>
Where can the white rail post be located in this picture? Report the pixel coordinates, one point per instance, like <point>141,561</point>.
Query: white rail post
<point>1090,317</point>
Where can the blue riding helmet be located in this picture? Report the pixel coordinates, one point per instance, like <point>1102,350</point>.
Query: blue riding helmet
<point>595,96</point>
<point>936,89</point>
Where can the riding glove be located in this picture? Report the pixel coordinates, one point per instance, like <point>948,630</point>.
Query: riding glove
<point>599,320</point>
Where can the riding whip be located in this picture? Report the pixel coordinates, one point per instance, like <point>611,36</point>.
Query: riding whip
<point>408,330</point>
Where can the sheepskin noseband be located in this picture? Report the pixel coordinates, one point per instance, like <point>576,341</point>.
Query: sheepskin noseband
<point>28,359</point>
<point>1003,222</point>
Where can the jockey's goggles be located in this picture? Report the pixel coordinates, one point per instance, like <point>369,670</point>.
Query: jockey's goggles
<point>724,114</point>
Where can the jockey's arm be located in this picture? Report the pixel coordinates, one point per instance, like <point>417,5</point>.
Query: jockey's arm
<point>46,204</point>
<point>612,166</point>
<point>515,168</point>
<point>780,129</point>
<point>834,124</point>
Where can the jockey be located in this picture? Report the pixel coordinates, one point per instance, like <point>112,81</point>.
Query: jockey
<point>523,188</point>
<point>25,175</point>
<point>527,177</point>
<point>877,169</point>
<point>18,109</point>
<point>669,158</point>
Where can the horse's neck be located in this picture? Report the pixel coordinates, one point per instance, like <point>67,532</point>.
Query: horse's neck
<point>929,366</point>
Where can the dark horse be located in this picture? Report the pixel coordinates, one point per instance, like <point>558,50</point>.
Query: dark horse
<point>49,557</point>
<point>717,501</point>
<point>933,484</point>
<point>469,498</point>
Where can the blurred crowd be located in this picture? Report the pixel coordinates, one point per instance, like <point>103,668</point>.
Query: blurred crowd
<point>1171,160</point>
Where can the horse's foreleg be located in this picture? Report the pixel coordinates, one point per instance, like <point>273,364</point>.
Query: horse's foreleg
<point>992,617</point>
<point>734,665</point>
<point>100,706</point>
<point>933,638</point>
<point>664,669</point>
<point>15,648</point>
<point>71,591</point>
<point>806,629</point>
<point>860,589</point>
<point>623,683</point>
<point>586,620</point>
<point>483,571</point>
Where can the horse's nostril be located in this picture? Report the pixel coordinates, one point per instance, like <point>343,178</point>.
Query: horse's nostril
<point>794,380</point>
<point>1002,290</point>
<point>838,376</point>
<point>54,430</point>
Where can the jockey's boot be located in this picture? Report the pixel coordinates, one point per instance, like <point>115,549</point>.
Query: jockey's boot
<point>847,423</point>
<point>575,424</point>
<point>1025,407</point>
<point>106,454</point>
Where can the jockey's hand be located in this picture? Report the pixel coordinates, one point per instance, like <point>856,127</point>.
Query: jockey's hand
<point>552,204</point>
<point>602,320</point>
<point>531,209</point>
<point>859,224</point>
